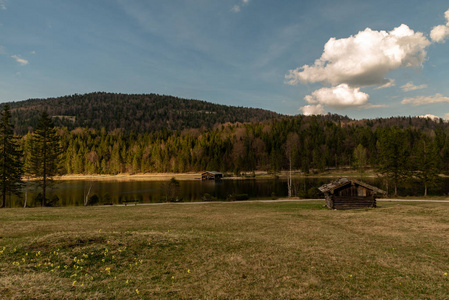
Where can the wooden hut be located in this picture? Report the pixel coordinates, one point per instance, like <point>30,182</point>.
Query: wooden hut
<point>211,175</point>
<point>345,193</point>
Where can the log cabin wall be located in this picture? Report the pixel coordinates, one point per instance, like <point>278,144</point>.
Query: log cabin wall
<point>345,202</point>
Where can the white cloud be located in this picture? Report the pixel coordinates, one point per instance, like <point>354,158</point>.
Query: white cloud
<point>340,96</point>
<point>409,86</point>
<point>421,100</point>
<point>440,32</point>
<point>390,83</point>
<point>370,105</point>
<point>446,117</point>
<point>309,110</point>
<point>364,59</point>
<point>21,61</point>
<point>429,116</point>
<point>236,8</point>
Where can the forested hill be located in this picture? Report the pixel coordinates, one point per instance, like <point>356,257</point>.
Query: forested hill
<point>139,113</point>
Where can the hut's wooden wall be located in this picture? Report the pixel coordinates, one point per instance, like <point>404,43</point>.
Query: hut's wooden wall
<point>350,202</point>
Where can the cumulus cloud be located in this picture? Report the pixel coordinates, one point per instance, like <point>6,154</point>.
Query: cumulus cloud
<point>409,86</point>
<point>364,59</point>
<point>309,110</point>
<point>20,60</point>
<point>440,32</point>
<point>429,116</point>
<point>340,96</point>
<point>446,117</point>
<point>421,100</point>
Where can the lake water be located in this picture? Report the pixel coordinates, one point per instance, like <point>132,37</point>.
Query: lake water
<point>71,193</point>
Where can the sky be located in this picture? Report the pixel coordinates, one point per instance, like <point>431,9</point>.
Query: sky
<point>363,59</point>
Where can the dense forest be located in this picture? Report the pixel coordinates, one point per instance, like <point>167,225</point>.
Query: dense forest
<point>138,113</point>
<point>311,144</point>
<point>123,139</point>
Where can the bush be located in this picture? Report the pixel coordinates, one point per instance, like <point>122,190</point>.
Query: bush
<point>107,199</point>
<point>238,197</point>
<point>94,199</point>
<point>208,197</point>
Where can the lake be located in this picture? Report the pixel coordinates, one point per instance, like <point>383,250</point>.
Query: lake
<point>71,193</point>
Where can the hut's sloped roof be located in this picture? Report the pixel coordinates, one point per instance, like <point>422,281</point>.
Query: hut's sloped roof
<point>212,172</point>
<point>341,182</point>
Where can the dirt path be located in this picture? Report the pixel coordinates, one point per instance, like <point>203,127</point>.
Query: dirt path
<point>277,200</point>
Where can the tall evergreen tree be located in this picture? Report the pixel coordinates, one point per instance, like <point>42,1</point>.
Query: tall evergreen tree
<point>45,152</point>
<point>427,163</point>
<point>11,167</point>
<point>393,156</point>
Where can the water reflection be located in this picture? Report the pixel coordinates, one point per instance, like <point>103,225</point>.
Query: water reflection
<point>72,193</point>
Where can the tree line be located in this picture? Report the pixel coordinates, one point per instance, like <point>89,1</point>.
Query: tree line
<point>398,152</point>
<point>39,159</point>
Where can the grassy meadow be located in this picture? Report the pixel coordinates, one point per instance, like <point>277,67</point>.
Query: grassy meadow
<point>277,250</point>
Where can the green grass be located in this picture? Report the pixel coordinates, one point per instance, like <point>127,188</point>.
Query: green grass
<point>228,250</point>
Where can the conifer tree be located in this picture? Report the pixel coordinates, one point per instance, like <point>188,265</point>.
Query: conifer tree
<point>393,156</point>
<point>45,152</point>
<point>11,167</point>
<point>427,163</point>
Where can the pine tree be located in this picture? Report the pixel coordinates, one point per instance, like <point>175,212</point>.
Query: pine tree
<point>427,163</point>
<point>11,166</point>
<point>45,152</point>
<point>393,156</point>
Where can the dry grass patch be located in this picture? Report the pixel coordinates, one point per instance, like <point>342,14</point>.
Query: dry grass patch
<point>232,250</point>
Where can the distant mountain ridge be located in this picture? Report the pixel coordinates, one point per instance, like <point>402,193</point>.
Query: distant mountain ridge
<point>131,112</point>
<point>153,112</point>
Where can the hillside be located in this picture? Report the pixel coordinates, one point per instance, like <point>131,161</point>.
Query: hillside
<point>141,113</point>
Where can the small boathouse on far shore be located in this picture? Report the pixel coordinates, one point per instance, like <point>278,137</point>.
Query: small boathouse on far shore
<point>211,175</point>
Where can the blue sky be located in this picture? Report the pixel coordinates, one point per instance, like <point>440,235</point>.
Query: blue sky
<point>382,58</point>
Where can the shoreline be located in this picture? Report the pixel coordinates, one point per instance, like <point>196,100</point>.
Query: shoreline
<point>197,176</point>
<point>132,177</point>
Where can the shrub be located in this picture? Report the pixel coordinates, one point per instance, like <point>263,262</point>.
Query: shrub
<point>238,197</point>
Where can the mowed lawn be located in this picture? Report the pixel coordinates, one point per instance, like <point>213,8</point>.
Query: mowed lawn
<point>280,250</point>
